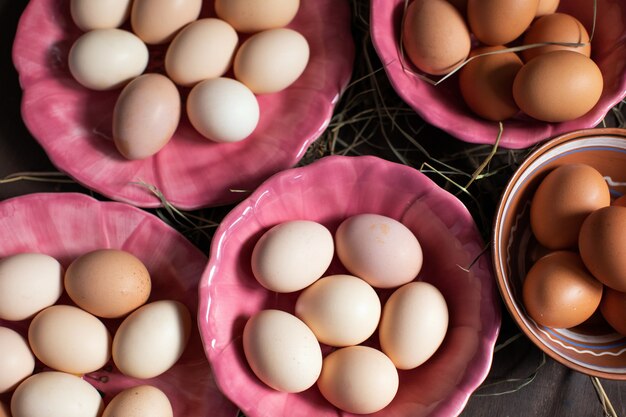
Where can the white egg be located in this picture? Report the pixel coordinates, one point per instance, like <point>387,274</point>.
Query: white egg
<point>99,14</point>
<point>152,338</point>
<point>223,109</point>
<point>104,59</point>
<point>29,282</point>
<point>282,351</point>
<point>413,324</point>
<point>292,255</point>
<point>16,360</point>
<point>56,394</point>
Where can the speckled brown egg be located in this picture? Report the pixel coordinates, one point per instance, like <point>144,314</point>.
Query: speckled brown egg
<point>559,292</point>
<point>486,83</point>
<point>564,198</point>
<point>613,308</point>
<point>602,244</point>
<point>556,27</point>
<point>497,22</point>
<point>108,283</point>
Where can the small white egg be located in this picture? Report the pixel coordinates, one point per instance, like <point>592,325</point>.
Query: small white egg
<point>104,59</point>
<point>99,14</point>
<point>16,360</point>
<point>223,110</point>
<point>29,282</point>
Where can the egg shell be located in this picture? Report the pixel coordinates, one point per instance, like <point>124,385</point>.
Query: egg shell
<point>104,59</point>
<point>292,255</point>
<point>564,198</point>
<point>556,27</point>
<point>602,244</point>
<point>151,339</point>
<point>282,351</point>
<point>546,7</point>
<point>341,310</point>
<point>158,21</point>
<point>99,14</point>
<point>29,282</point>
<point>620,201</point>
<point>558,86</point>
<point>17,362</point>
<point>223,110</point>
<point>613,308</point>
<point>414,324</point>
<point>56,394</point>
<point>358,379</point>
<point>498,22</point>
<point>486,83</point>
<point>139,401</point>
<point>248,16</point>
<point>145,116</point>
<point>378,249</point>
<point>435,36</point>
<point>69,339</point>
<point>201,50</point>
<point>559,292</point>
<point>272,60</point>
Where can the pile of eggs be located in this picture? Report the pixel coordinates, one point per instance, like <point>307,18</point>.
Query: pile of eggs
<point>573,218</point>
<point>340,312</point>
<point>553,81</point>
<point>72,340</point>
<point>199,53</point>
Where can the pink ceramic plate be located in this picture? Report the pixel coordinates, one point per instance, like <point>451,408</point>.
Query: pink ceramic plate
<point>443,106</point>
<point>73,124</point>
<point>329,191</point>
<point>67,225</point>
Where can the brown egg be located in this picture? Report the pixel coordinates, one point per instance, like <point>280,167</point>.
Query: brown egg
<point>498,22</point>
<point>602,244</point>
<point>559,292</point>
<point>556,27</point>
<point>435,36</point>
<point>486,83</point>
<point>620,201</point>
<point>564,198</point>
<point>558,86</point>
<point>108,282</point>
<point>546,7</point>
<point>613,308</point>
<point>157,21</point>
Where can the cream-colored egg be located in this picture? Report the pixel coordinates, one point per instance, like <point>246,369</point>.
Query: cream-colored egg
<point>414,324</point>
<point>152,339</point>
<point>158,21</point>
<point>99,14</point>
<point>358,379</point>
<point>69,339</point>
<point>378,249</point>
<point>104,59</point>
<point>203,49</point>
<point>341,310</point>
<point>270,337</point>
<point>29,282</point>
<point>139,401</point>
<point>292,255</point>
<point>145,116</point>
<point>271,60</point>
<point>223,110</point>
<point>16,360</point>
<point>249,16</point>
<point>56,394</point>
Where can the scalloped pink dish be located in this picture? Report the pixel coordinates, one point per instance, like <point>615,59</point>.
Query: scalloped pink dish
<point>73,124</point>
<point>66,225</point>
<point>443,106</point>
<point>328,191</point>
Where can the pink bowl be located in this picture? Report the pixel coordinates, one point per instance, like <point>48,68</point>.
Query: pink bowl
<point>443,106</point>
<point>73,124</point>
<point>66,226</point>
<point>329,191</point>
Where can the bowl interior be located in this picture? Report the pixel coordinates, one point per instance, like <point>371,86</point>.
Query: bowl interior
<point>66,226</point>
<point>329,191</point>
<point>74,124</point>
<point>443,106</point>
<point>592,347</point>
